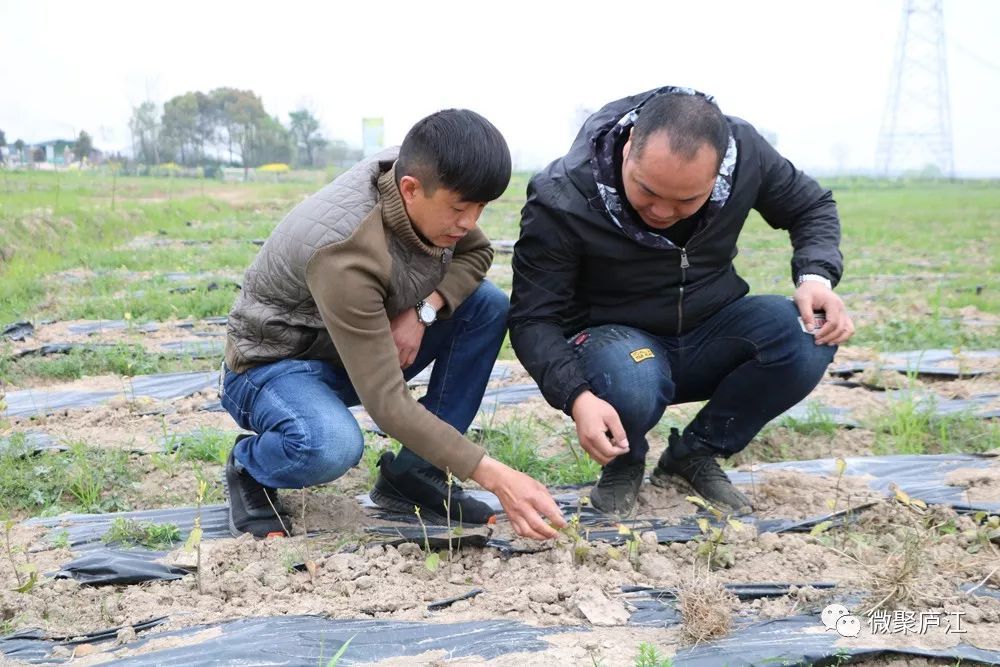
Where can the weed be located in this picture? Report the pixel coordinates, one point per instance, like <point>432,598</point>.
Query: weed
<point>649,656</point>
<point>131,533</point>
<point>706,608</point>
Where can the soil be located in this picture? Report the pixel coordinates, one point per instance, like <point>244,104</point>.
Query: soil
<point>349,574</point>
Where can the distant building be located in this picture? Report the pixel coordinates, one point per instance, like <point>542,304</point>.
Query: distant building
<point>56,152</point>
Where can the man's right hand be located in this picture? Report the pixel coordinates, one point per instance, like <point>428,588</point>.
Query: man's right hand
<point>595,418</point>
<point>524,499</point>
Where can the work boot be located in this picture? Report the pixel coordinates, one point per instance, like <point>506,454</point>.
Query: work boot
<point>618,487</point>
<point>253,507</point>
<point>426,487</point>
<point>701,474</point>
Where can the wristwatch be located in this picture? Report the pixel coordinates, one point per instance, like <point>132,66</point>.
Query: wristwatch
<point>805,277</point>
<point>426,314</point>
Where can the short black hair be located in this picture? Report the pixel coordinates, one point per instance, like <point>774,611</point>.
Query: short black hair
<point>688,120</point>
<point>459,150</point>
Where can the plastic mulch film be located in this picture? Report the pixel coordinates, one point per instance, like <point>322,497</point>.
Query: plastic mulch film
<point>29,443</point>
<point>804,640</point>
<point>18,331</point>
<point>166,386</point>
<point>34,647</point>
<point>300,640</point>
<point>86,532</point>
<point>941,363</point>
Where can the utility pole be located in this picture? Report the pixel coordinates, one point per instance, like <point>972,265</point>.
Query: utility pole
<point>916,125</point>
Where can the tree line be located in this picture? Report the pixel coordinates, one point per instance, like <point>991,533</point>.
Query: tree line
<point>225,126</point>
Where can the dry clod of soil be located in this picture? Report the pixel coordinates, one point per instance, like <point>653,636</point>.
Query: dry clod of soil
<point>593,605</point>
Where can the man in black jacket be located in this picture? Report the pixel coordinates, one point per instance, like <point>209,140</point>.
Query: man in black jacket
<point>625,299</point>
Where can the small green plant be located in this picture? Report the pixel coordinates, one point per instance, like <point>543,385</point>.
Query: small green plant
<point>649,656</point>
<point>579,544</point>
<point>193,541</point>
<point>986,531</point>
<point>632,544</point>
<point>432,559</point>
<point>131,533</point>
<point>26,573</point>
<point>61,539</point>
<point>335,659</point>
<point>712,540</point>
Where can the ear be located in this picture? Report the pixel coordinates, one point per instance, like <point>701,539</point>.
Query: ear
<point>627,148</point>
<point>409,186</point>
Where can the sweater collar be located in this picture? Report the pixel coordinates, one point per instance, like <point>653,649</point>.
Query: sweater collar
<point>394,215</point>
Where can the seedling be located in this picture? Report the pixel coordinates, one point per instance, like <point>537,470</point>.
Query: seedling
<point>28,569</point>
<point>712,545</point>
<point>432,559</point>
<point>632,543</point>
<point>579,544</point>
<point>194,539</point>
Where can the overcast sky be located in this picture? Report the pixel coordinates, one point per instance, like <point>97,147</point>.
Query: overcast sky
<point>813,73</point>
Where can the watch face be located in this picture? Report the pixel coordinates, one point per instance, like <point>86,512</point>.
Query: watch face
<point>427,313</point>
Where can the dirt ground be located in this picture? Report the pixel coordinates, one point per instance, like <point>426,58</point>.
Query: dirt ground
<point>916,558</point>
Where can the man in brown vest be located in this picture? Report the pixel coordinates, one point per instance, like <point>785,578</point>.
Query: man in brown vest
<point>360,287</point>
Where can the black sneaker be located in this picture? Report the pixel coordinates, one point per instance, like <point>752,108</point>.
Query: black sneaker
<point>253,507</point>
<point>426,488</point>
<point>618,487</point>
<point>700,474</point>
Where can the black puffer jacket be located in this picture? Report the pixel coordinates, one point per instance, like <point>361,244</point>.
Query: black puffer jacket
<point>574,268</point>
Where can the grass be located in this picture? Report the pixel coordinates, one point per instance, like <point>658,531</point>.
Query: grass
<point>131,533</point>
<point>127,360</point>
<point>83,479</point>
<point>210,445</point>
<point>515,443</point>
<point>909,426</point>
<point>815,422</point>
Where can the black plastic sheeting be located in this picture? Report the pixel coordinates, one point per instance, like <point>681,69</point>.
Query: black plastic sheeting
<point>97,326</point>
<point>810,410</point>
<point>801,640</point>
<point>941,363</point>
<point>18,331</point>
<point>85,532</point>
<point>166,386</point>
<point>503,246</point>
<point>920,476</point>
<point>35,647</point>
<point>35,442</point>
<point>115,566</point>
<point>657,608</point>
<point>308,641</point>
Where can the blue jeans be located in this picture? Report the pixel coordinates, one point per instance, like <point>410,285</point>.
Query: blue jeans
<point>751,361</point>
<point>298,408</point>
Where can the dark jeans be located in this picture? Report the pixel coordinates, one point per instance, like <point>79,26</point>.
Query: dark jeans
<point>751,361</point>
<point>298,408</point>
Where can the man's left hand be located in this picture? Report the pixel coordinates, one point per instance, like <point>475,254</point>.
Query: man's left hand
<point>407,332</point>
<point>815,296</point>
